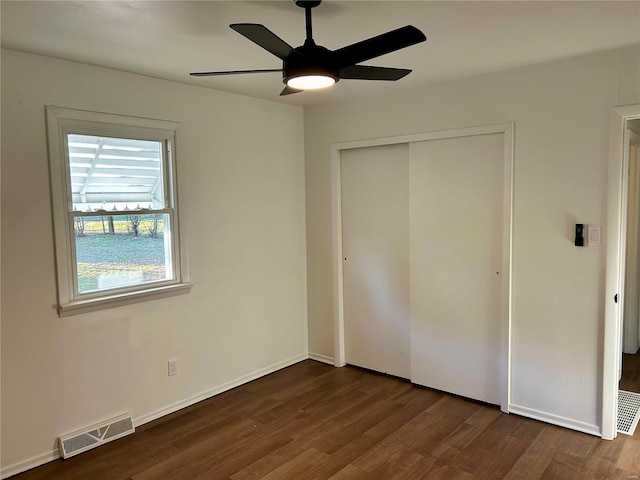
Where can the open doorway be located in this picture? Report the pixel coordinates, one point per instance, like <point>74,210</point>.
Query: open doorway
<point>614,400</point>
<point>630,372</point>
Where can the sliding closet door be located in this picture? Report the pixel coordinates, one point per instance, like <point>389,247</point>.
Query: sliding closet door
<point>375,230</point>
<point>456,231</point>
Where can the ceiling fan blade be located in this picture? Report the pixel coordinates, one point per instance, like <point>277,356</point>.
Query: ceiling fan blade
<point>262,36</point>
<point>379,45</point>
<point>288,91</point>
<point>366,72</point>
<point>233,72</point>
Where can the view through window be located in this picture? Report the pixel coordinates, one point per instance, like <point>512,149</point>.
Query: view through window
<point>121,231</point>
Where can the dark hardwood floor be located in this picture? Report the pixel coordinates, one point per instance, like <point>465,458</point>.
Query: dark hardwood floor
<point>630,380</point>
<point>313,421</point>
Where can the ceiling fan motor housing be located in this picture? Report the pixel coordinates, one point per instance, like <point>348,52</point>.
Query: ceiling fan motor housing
<point>309,59</point>
<point>307,4</point>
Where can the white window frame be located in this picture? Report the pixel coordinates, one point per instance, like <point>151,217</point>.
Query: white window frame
<point>63,121</point>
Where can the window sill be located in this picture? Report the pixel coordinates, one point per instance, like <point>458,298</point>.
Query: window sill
<point>102,303</point>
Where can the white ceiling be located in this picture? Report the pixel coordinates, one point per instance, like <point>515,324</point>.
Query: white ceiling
<point>169,39</point>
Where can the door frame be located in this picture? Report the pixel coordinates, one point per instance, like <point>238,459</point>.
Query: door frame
<point>618,176</point>
<point>508,130</point>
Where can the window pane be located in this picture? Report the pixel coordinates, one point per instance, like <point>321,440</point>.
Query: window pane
<point>115,174</point>
<point>116,251</point>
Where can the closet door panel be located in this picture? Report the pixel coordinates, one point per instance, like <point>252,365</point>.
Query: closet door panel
<point>456,231</point>
<point>375,231</point>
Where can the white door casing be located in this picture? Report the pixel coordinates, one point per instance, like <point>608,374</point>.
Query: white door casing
<point>617,178</point>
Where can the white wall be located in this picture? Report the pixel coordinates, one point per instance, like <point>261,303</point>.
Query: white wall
<point>561,113</point>
<point>241,185</point>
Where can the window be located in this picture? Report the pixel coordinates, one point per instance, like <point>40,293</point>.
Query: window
<point>115,215</point>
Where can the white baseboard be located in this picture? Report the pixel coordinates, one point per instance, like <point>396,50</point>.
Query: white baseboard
<point>161,412</point>
<point>29,463</point>
<point>556,420</point>
<point>321,358</point>
<point>174,407</point>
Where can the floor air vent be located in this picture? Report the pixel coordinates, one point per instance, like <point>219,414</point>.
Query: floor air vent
<point>95,435</point>
<point>628,411</point>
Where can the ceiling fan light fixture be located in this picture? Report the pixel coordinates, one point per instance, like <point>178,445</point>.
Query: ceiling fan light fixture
<point>311,82</point>
<point>313,67</point>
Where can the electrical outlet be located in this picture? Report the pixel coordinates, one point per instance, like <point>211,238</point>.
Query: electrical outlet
<point>173,367</point>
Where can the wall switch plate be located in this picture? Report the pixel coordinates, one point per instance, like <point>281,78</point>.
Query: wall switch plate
<point>594,235</point>
<point>173,367</point>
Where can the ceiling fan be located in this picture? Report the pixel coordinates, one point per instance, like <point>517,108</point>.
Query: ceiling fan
<point>312,66</point>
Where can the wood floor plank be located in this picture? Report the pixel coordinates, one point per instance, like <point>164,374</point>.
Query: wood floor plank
<point>448,472</point>
<point>336,433</point>
<point>387,455</point>
<point>528,467</point>
<point>483,417</point>
<point>566,466</point>
<point>311,421</point>
<point>500,458</point>
<point>418,403</point>
<point>527,429</point>
<point>270,462</point>
<point>629,458</point>
<point>345,455</point>
<point>232,459</point>
<point>630,373</point>
<point>450,409</point>
<point>456,442</point>
<point>308,423</point>
<point>421,434</point>
<point>306,466</point>
<point>419,470</point>
<point>351,472</point>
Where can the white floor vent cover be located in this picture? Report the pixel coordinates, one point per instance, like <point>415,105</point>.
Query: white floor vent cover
<point>628,411</point>
<point>95,435</point>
